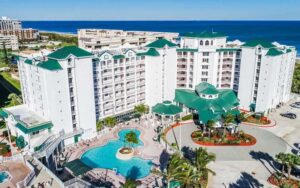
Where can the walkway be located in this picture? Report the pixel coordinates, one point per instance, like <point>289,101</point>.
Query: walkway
<point>267,143</point>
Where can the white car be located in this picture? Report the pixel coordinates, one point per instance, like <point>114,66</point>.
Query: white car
<point>295,105</point>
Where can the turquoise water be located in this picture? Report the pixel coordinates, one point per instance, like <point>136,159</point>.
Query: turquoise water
<point>105,157</point>
<point>4,176</point>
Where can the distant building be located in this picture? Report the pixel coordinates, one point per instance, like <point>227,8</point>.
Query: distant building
<point>14,27</point>
<point>23,34</point>
<point>10,42</point>
<point>8,24</point>
<point>100,39</point>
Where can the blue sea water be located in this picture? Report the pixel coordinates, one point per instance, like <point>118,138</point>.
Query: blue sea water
<point>285,32</point>
<point>105,157</point>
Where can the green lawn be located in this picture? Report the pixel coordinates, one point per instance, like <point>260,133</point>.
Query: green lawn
<point>3,65</point>
<point>14,82</point>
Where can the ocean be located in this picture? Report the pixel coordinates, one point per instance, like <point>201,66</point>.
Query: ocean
<point>285,32</point>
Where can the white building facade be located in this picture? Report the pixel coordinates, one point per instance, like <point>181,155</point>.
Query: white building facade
<point>206,57</point>
<point>10,24</point>
<point>69,90</point>
<point>101,39</point>
<point>10,42</point>
<point>266,75</point>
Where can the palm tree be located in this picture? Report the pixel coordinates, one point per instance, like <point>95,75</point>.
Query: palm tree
<point>130,183</point>
<point>131,138</point>
<point>110,121</point>
<point>210,125</point>
<point>13,99</point>
<point>99,125</point>
<point>189,176</point>
<point>141,109</point>
<point>202,159</point>
<point>227,119</point>
<point>289,160</point>
<point>173,170</point>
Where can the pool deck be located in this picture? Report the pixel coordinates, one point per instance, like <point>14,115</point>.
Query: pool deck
<point>151,150</point>
<point>17,170</point>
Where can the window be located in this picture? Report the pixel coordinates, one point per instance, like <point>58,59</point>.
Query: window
<point>212,43</point>
<point>204,73</point>
<point>204,66</point>
<point>207,43</point>
<point>205,53</point>
<point>203,79</point>
<point>201,43</point>
<point>205,60</point>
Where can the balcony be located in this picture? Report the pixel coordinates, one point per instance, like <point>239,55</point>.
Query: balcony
<point>119,72</point>
<point>107,90</point>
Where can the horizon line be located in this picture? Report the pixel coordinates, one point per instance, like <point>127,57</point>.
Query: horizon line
<point>187,20</point>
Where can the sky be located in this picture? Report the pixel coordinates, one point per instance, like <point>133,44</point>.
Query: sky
<point>151,9</point>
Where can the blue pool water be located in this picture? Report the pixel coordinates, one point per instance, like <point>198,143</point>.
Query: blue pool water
<point>4,176</point>
<point>105,157</point>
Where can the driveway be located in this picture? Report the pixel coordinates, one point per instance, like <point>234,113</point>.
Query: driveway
<point>268,144</point>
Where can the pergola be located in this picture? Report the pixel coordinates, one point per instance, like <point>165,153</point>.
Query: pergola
<point>167,109</point>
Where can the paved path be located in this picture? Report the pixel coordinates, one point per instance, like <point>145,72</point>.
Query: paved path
<point>267,144</point>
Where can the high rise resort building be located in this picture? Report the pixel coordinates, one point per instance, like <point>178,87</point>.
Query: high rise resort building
<point>10,24</point>
<point>67,91</point>
<point>10,27</point>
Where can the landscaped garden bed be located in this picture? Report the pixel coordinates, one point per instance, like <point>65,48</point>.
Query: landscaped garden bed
<point>219,139</point>
<point>126,150</point>
<point>281,181</point>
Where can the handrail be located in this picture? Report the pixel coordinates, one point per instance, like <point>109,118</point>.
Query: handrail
<point>49,172</point>
<point>28,178</point>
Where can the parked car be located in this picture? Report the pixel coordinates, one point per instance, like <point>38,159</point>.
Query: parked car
<point>289,115</point>
<point>295,105</point>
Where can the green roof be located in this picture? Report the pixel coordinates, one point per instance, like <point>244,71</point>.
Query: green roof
<point>77,167</point>
<point>28,61</point>
<point>208,109</point>
<point>27,130</point>
<point>50,64</point>
<point>118,56</point>
<point>186,50</point>
<point>274,52</point>
<point>204,34</point>
<point>64,52</point>
<point>228,49</point>
<point>206,88</point>
<point>161,43</point>
<point>150,52</point>
<point>3,113</point>
<point>262,43</point>
<point>166,108</point>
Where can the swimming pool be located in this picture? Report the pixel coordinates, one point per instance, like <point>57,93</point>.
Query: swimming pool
<point>4,176</point>
<point>105,157</point>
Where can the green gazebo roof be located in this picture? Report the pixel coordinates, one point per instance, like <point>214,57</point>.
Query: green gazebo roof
<point>208,109</point>
<point>166,108</point>
<point>206,88</point>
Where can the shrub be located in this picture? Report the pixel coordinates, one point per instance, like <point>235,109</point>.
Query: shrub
<point>5,133</point>
<point>5,150</point>
<point>187,117</point>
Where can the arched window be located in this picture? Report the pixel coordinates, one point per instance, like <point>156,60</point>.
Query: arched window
<point>207,43</point>
<point>201,43</point>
